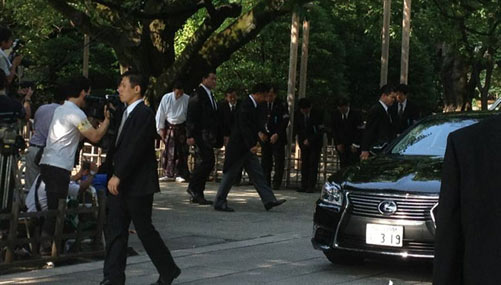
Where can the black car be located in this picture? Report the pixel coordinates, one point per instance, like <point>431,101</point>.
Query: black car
<point>384,206</point>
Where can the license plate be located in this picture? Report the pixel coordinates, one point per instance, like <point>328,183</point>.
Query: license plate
<point>384,235</point>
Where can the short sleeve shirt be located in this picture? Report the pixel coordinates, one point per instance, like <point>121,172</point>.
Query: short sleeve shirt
<point>64,135</point>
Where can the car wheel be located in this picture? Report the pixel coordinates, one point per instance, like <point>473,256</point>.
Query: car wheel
<point>339,257</point>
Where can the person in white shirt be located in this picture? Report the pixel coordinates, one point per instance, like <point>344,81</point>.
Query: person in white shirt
<point>36,200</point>
<point>68,127</point>
<point>9,68</point>
<point>170,120</point>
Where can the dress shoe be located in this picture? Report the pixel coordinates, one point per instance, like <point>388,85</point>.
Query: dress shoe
<point>224,208</point>
<point>167,279</point>
<point>105,282</point>
<point>272,204</point>
<point>192,194</point>
<point>201,201</point>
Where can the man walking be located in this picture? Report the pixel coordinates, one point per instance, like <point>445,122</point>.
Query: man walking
<point>276,117</point>
<point>309,129</point>
<point>203,131</point>
<point>132,166</point>
<point>171,118</point>
<point>379,130</point>
<point>241,152</point>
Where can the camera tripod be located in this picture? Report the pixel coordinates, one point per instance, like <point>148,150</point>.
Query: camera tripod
<point>10,180</point>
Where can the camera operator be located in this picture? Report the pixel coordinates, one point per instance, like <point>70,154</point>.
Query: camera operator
<point>8,67</point>
<point>42,119</point>
<point>69,124</point>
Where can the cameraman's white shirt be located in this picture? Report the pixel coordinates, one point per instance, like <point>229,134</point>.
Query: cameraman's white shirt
<point>64,136</point>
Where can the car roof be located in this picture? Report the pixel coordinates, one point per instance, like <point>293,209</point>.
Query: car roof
<point>461,115</point>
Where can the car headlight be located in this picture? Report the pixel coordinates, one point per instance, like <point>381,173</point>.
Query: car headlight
<point>332,194</point>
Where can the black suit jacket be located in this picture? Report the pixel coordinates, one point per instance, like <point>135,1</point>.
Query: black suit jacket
<point>275,120</point>
<point>245,134</point>
<point>379,129</point>
<point>409,116</point>
<point>312,130</point>
<point>133,158</point>
<point>468,232</point>
<point>203,123</point>
<point>228,117</point>
<point>349,130</point>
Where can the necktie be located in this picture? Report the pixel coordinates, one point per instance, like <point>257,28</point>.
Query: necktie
<point>124,118</point>
<point>400,109</point>
<point>213,101</point>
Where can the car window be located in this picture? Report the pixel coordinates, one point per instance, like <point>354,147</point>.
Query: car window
<point>430,137</point>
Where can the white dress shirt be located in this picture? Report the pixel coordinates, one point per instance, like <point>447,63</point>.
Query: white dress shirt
<point>172,110</point>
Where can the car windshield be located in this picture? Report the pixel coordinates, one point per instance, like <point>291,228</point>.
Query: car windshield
<point>430,137</point>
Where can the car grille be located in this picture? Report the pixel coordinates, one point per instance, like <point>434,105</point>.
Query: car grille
<point>409,207</point>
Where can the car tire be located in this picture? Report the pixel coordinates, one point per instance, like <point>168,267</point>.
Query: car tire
<point>339,257</point>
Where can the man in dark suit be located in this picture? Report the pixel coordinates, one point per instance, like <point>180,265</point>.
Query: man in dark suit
<point>203,129</point>
<point>132,166</point>
<point>379,128</point>
<point>347,125</point>
<point>276,118</point>
<point>228,110</point>
<point>468,222</point>
<point>309,129</point>
<point>403,113</point>
<point>241,152</point>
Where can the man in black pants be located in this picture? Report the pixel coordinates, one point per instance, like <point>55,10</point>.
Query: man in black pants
<point>69,124</point>
<point>132,166</point>
<point>203,129</point>
<point>276,117</point>
<point>309,130</point>
<point>347,125</point>
<point>241,152</point>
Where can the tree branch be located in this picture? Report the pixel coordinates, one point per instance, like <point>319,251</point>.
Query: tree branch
<point>82,22</point>
<point>183,61</point>
<point>176,9</point>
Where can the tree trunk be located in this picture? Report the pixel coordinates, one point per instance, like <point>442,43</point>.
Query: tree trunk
<point>453,76</point>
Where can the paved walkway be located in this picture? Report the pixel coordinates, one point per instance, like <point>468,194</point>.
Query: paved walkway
<point>249,246</point>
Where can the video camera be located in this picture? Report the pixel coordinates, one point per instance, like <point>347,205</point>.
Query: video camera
<point>94,105</point>
<point>10,140</point>
<point>17,45</point>
<point>94,108</point>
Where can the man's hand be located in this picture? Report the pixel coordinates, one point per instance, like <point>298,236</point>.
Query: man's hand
<point>107,113</point>
<point>364,155</point>
<point>340,148</point>
<point>113,185</point>
<point>190,141</point>
<point>17,60</point>
<point>254,149</point>
<point>306,142</point>
<point>262,136</point>
<point>274,138</point>
<point>226,140</point>
<point>163,134</point>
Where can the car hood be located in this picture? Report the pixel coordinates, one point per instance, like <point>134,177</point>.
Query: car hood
<point>420,174</point>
